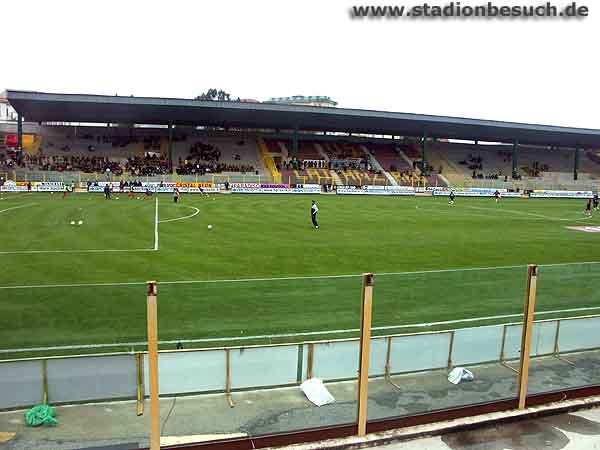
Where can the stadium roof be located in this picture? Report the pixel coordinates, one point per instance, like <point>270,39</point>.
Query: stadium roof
<point>47,107</point>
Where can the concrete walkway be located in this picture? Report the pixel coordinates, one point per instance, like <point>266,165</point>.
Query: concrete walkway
<point>205,417</point>
<point>574,431</point>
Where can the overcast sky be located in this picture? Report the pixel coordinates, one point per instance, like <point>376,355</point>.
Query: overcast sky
<point>536,71</point>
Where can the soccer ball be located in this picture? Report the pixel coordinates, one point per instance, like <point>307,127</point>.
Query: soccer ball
<point>72,222</point>
<point>80,222</point>
<point>210,227</point>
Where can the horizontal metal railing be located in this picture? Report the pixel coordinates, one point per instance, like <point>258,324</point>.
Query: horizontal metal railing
<point>303,367</point>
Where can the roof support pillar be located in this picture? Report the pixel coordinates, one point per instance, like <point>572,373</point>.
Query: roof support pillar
<point>515,159</point>
<point>20,131</point>
<point>295,142</point>
<point>170,147</point>
<point>576,163</point>
<point>424,154</point>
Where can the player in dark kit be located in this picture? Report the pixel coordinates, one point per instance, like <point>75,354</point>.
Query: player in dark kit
<point>313,214</point>
<point>451,202</point>
<point>497,195</point>
<point>107,192</point>
<point>588,208</point>
<point>595,201</point>
<point>176,196</point>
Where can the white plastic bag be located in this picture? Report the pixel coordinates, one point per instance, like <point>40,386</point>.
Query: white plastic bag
<point>459,374</point>
<point>316,392</point>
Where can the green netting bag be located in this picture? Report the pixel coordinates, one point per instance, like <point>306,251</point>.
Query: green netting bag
<point>41,415</point>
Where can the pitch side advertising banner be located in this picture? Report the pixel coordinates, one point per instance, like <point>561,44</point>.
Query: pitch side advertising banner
<point>475,192</point>
<point>36,186</point>
<point>191,188</point>
<point>12,187</point>
<point>375,190</point>
<point>48,186</point>
<point>561,194</point>
<point>255,188</point>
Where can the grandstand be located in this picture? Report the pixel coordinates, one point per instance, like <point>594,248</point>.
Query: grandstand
<point>193,147</point>
<point>57,153</point>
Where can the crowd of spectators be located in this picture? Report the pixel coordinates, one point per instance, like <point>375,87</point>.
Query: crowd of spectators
<point>342,152</point>
<point>536,169</point>
<point>87,164</point>
<point>475,163</point>
<point>201,151</point>
<point>189,167</point>
<point>9,160</point>
<point>149,165</point>
<point>205,158</point>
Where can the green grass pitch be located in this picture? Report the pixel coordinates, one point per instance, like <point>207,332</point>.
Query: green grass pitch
<point>270,236</point>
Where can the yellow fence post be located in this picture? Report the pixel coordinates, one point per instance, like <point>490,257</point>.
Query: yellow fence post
<point>152,320</point>
<point>45,382</point>
<point>310,358</point>
<point>228,378</point>
<point>139,366</point>
<point>528,313</point>
<point>365,347</point>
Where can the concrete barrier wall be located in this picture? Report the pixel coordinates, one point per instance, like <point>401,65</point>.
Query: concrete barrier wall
<point>20,384</point>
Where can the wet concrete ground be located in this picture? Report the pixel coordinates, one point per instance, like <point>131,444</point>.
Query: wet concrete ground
<point>278,410</point>
<point>574,431</point>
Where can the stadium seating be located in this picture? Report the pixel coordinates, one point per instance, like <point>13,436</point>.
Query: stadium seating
<point>330,162</point>
<point>389,157</point>
<point>537,167</point>
<point>63,154</point>
<point>202,155</point>
<point>309,166</point>
<point>90,153</point>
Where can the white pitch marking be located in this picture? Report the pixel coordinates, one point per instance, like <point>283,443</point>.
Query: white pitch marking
<point>18,207</point>
<point>249,280</point>
<point>288,335</point>
<point>10,196</point>
<point>156,226</point>
<point>27,252</point>
<point>196,212</point>
<point>512,211</point>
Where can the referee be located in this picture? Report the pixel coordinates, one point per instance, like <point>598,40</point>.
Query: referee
<point>313,214</point>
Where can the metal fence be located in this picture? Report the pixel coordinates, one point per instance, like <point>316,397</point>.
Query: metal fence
<point>72,379</point>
